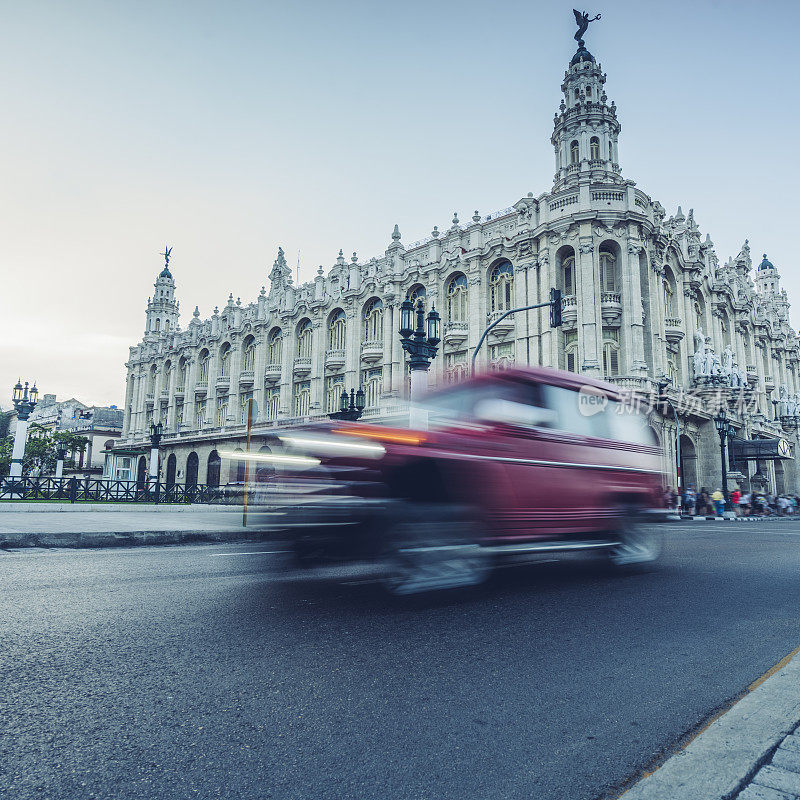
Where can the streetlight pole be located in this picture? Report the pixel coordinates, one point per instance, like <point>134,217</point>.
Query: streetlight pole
<point>61,452</point>
<point>24,400</point>
<point>724,429</point>
<point>421,348</point>
<point>156,432</point>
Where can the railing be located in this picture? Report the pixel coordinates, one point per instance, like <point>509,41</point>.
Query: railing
<point>302,364</point>
<point>672,322</point>
<point>557,205</point>
<point>569,300</point>
<point>223,382</point>
<point>246,376</point>
<point>201,387</point>
<point>610,297</point>
<point>102,490</point>
<point>615,196</point>
<point>179,392</point>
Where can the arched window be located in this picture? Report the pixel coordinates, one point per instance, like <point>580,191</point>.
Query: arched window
<point>172,463</point>
<point>501,282</point>
<point>302,398</point>
<point>568,275</point>
<point>608,271</point>
<point>571,350</point>
<point>456,290</point>
<point>249,354</point>
<point>151,383</point>
<point>594,148</point>
<point>166,326</point>
<point>577,93</point>
<point>225,360</point>
<point>334,386</point>
<point>272,402</point>
<point>304,339</point>
<point>588,91</point>
<point>212,471</point>
<point>373,321</point>
<point>610,352</point>
<point>669,300</point>
<point>274,346</point>
<point>191,469</point>
<point>371,382</point>
<point>222,411</point>
<point>337,329</point>
<point>573,152</point>
<point>158,325</point>
<point>205,360</point>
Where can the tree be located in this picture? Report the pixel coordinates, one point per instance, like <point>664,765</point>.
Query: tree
<point>41,450</point>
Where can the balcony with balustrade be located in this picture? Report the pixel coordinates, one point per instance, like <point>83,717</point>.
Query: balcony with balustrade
<point>504,327</point>
<point>272,373</point>
<point>752,374</point>
<point>334,359</point>
<point>201,387</point>
<point>223,383</point>
<point>455,332</point>
<point>569,310</point>
<point>246,377</point>
<point>302,365</point>
<point>673,329</point>
<point>611,307</point>
<point>371,351</point>
<point>179,392</point>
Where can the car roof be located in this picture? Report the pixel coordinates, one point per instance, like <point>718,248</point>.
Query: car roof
<point>554,377</point>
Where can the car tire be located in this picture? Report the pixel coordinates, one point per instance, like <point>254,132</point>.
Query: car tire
<point>432,547</point>
<point>638,543</point>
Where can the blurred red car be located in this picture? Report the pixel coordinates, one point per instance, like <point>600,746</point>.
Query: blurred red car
<point>516,462</point>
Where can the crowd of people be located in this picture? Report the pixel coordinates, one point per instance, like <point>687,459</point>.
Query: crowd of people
<point>744,504</point>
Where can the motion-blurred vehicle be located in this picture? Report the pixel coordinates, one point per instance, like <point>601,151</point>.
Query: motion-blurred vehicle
<point>515,462</point>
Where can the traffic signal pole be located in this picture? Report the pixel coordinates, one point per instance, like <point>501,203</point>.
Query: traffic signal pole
<point>555,319</point>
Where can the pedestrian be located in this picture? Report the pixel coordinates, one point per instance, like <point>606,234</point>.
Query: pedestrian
<point>689,500</point>
<point>744,504</point>
<point>702,503</point>
<point>736,497</point>
<point>719,501</point>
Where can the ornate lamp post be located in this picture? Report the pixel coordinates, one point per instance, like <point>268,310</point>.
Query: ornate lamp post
<point>350,406</point>
<point>24,400</point>
<point>725,430</point>
<point>421,347</point>
<point>156,432</point>
<point>61,453</point>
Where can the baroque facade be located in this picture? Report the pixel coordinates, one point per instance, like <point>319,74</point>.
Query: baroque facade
<point>644,295</point>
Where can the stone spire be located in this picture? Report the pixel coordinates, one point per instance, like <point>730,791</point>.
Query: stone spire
<point>280,274</point>
<point>586,128</point>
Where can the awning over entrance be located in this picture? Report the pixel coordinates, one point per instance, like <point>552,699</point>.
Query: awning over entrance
<point>761,449</point>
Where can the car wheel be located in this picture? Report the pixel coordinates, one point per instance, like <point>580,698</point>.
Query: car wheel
<point>637,542</point>
<point>431,548</point>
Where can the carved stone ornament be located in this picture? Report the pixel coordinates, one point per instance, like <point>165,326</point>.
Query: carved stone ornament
<point>586,247</point>
<point>634,248</point>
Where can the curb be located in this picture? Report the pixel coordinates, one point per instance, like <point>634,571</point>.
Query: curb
<point>724,757</point>
<point>49,508</point>
<point>124,538</point>
<point>734,519</point>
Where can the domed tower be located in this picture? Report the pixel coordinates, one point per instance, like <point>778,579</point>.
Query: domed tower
<point>586,128</point>
<point>162,310</point>
<point>768,280</point>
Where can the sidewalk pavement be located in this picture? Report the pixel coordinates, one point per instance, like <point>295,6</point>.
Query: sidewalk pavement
<point>750,752</point>
<point>106,528</point>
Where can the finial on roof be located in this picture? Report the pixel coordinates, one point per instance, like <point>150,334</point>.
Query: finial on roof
<point>320,270</point>
<point>396,233</point>
<point>196,312</point>
<point>476,217</point>
<point>263,291</point>
<point>238,301</point>
<point>216,311</point>
<point>455,218</point>
<point>435,232</point>
<point>354,259</point>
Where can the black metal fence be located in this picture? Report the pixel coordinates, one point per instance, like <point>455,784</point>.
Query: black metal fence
<point>100,490</point>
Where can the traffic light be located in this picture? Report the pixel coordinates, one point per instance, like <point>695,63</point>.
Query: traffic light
<point>555,308</point>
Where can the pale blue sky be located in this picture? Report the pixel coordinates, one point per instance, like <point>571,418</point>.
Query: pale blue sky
<point>227,129</point>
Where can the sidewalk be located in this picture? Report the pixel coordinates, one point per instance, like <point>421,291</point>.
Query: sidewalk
<point>751,752</point>
<point>103,528</point>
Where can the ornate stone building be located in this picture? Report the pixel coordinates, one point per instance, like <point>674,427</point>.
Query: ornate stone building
<point>644,295</point>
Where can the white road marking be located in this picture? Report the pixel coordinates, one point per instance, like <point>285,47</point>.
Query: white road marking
<point>250,553</point>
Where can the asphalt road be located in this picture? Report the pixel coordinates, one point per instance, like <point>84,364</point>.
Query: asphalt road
<point>178,672</point>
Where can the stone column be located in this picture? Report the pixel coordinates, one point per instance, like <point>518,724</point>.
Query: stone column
<point>547,336</point>
<point>633,326</point>
<point>588,297</point>
<point>317,374</point>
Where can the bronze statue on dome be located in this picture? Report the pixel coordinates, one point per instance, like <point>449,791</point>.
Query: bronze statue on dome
<point>583,23</point>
